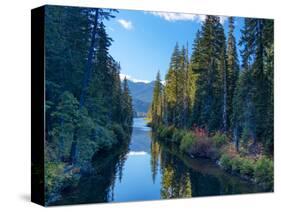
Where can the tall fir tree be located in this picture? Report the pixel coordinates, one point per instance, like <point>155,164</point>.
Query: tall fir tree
<point>208,66</point>
<point>156,105</point>
<point>232,69</point>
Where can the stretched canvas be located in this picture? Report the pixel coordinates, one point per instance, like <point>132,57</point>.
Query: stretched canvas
<point>132,105</point>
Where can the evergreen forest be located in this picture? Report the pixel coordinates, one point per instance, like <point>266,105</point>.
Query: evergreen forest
<point>88,109</point>
<point>208,130</point>
<point>213,105</point>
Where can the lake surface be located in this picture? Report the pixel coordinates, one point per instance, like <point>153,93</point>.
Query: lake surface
<point>148,170</point>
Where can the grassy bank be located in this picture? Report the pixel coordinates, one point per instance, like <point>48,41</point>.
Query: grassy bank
<point>250,162</point>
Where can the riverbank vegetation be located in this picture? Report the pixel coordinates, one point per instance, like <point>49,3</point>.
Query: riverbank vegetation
<point>217,106</point>
<point>88,109</point>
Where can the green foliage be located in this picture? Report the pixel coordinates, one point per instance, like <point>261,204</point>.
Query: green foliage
<point>86,108</point>
<point>187,142</point>
<point>219,139</point>
<point>208,60</point>
<point>178,135</point>
<point>246,136</point>
<point>199,146</point>
<point>254,93</point>
<point>166,133</point>
<point>159,129</point>
<point>210,92</point>
<point>53,177</point>
<point>104,137</point>
<point>127,107</point>
<point>156,105</point>
<point>175,99</point>
<point>236,164</point>
<point>225,162</point>
<point>87,105</point>
<point>56,179</point>
<point>264,172</point>
<point>247,167</point>
<point>119,132</point>
<point>232,71</point>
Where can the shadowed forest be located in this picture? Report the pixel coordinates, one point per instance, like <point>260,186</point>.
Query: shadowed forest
<point>88,110</point>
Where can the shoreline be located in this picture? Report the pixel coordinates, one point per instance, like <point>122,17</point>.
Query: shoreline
<point>174,139</point>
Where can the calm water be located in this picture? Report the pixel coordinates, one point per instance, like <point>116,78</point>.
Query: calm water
<point>146,170</point>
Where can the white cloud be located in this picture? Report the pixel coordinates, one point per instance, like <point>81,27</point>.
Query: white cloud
<point>128,77</point>
<point>126,24</point>
<point>169,16</point>
<point>133,153</point>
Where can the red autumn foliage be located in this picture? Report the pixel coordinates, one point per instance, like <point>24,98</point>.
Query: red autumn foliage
<point>200,132</point>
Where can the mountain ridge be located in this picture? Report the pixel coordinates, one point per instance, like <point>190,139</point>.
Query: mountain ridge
<point>141,93</point>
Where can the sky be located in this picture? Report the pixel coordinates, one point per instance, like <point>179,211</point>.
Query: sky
<point>144,41</point>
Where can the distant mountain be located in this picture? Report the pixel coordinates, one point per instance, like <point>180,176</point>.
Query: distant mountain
<point>142,95</point>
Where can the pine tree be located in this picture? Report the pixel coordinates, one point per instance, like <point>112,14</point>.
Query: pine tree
<point>253,99</point>
<point>127,109</point>
<point>194,67</point>
<point>172,88</point>
<point>207,63</point>
<point>116,93</point>
<point>232,69</point>
<point>156,106</point>
<point>184,87</point>
<point>191,92</point>
<point>223,68</point>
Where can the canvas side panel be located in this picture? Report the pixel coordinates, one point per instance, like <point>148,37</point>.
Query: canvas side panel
<point>37,105</point>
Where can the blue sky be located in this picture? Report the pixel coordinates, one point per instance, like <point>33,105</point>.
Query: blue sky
<point>144,41</point>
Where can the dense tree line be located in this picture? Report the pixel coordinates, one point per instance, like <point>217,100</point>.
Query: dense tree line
<point>213,91</point>
<point>88,109</point>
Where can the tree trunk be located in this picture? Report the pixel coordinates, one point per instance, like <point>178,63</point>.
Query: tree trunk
<point>235,138</point>
<point>185,103</point>
<point>61,143</point>
<point>224,100</point>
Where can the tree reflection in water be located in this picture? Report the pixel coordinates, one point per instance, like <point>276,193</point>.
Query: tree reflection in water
<point>184,177</point>
<point>162,172</point>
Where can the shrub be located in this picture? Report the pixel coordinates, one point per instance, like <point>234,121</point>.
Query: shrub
<point>104,138</point>
<point>187,142</point>
<point>119,132</point>
<point>204,147</point>
<point>178,135</point>
<point>247,167</point>
<point>199,146</point>
<point>167,133</point>
<point>263,173</point>
<point>53,177</point>
<point>226,162</point>
<point>219,139</point>
<point>236,164</point>
<point>159,129</point>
